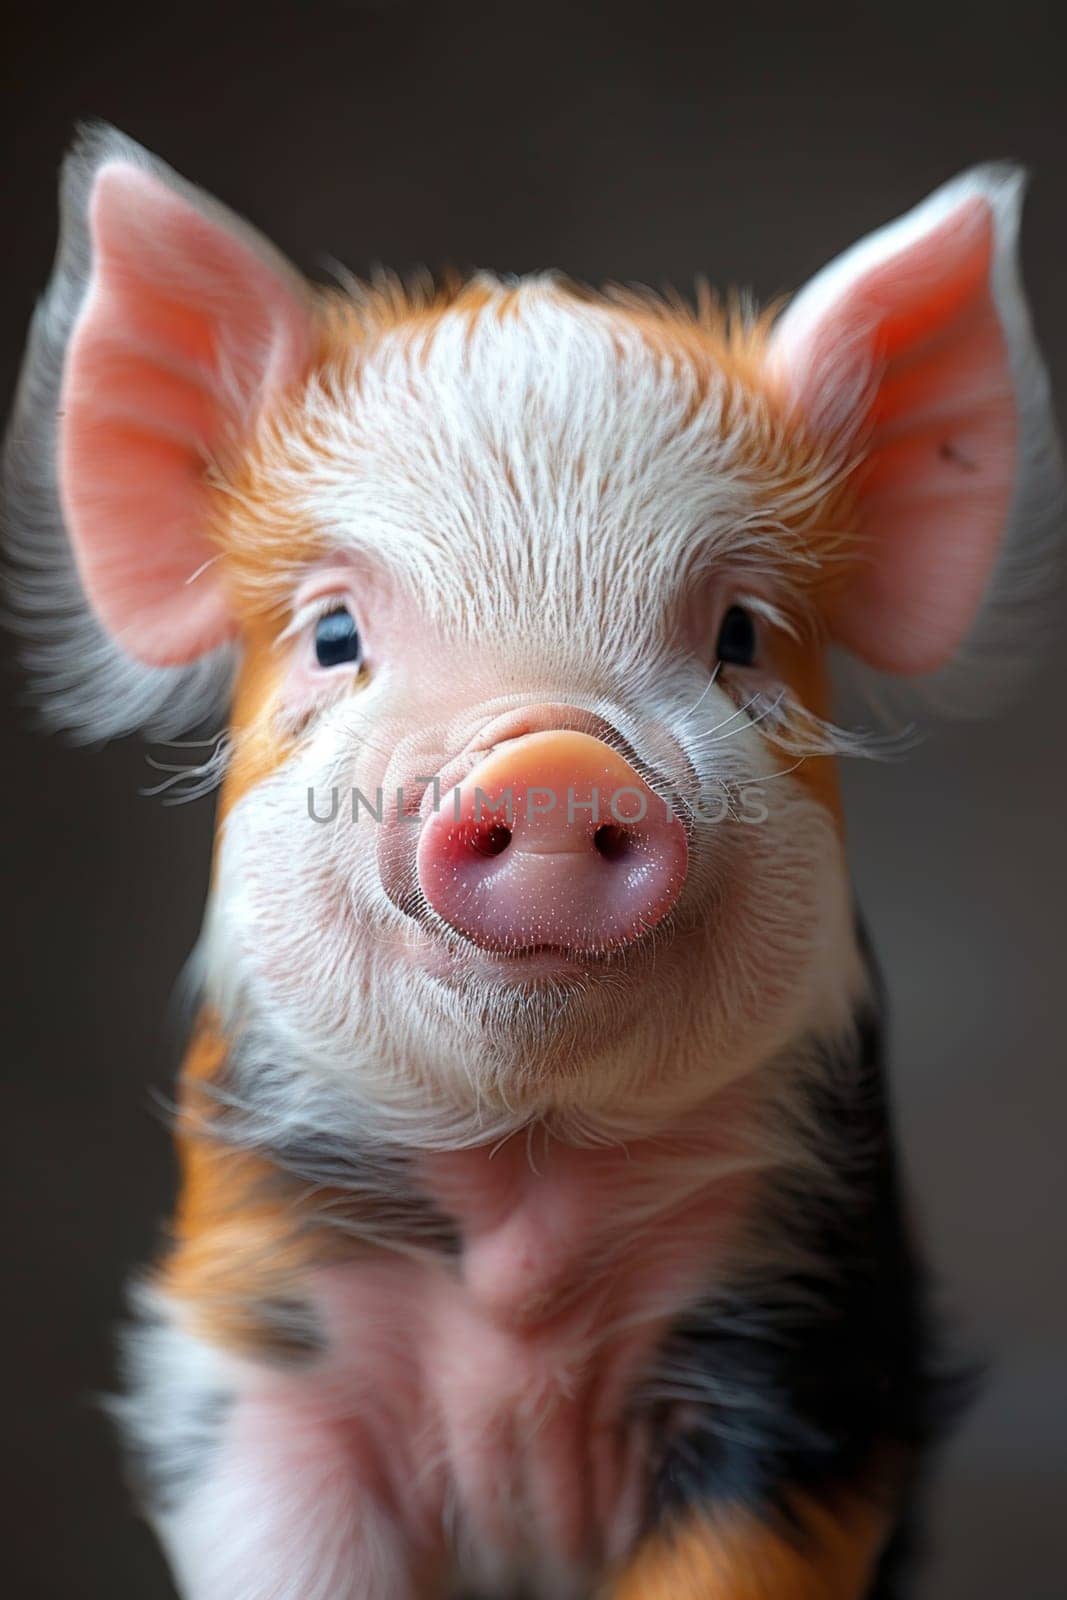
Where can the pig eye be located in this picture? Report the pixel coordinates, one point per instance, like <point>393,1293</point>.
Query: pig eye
<point>737,638</point>
<point>336,638</point>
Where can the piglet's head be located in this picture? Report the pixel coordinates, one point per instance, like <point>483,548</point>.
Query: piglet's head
<point>520,598</point>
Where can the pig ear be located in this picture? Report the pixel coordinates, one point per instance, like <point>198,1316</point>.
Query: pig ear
<point>168,325</point>
<point>914,349</point>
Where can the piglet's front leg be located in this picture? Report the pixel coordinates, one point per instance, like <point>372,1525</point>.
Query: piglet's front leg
<point>254,1492</point>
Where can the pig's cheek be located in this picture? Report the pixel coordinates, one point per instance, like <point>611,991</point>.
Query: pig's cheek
<point>783,904</point>
<point>311,695</point>
<point>298,900</point>
<point>765,857</point>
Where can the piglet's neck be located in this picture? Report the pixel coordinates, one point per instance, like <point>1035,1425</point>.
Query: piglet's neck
<point>544,1227</point>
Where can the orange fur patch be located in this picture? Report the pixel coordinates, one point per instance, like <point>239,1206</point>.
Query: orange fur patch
<point>238,1243</point>
<point>258,747</point>
<point>734,1556</point>
<point>802,666</point>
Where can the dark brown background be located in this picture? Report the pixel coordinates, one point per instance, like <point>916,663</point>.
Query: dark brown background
<point>654,148</point>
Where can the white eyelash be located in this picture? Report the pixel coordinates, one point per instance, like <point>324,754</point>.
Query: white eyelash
<point>309,613</point>
<point>769,613</point>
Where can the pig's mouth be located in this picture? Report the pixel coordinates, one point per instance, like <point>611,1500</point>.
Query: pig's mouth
<point>527,959</point>
<point>447,953</point>
<point>593,952</point>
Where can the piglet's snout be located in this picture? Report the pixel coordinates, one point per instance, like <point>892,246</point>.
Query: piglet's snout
<point>553,840</point>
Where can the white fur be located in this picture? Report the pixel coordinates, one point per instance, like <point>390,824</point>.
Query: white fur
<point>541,450</point>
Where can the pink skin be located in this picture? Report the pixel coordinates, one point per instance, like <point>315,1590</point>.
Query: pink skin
<point>552,841</point>
<point>489,1393</point>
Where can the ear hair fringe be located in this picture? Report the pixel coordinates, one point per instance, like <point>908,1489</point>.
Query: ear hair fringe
<point>81,681</point>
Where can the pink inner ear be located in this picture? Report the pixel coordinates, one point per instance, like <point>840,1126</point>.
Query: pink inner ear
<point>936,487</point>
<point>187,328</point>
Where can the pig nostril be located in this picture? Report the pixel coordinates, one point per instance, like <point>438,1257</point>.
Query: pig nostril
<point>611,842</point>
<point>515,870</point>
<point>491,841</point>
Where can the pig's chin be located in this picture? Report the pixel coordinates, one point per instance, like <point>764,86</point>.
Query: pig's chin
<point>542,1011</point>
<point>544,1031</point>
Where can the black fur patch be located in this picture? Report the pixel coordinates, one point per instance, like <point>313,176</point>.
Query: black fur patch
<point>803,1383</point>
<point>341,1180</point>
<point>377,1196</point>
<point>290,1331</point>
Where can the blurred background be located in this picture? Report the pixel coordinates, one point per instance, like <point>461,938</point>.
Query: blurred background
<point>651,144</point>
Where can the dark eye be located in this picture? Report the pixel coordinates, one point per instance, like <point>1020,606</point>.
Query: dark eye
<point>737,638</point>
<point>336,638</point>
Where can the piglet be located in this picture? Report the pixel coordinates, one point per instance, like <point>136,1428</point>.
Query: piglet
<point>540,1231</point>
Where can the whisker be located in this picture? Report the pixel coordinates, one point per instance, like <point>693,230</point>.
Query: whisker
<point>770,776</point>
<point>798,731</point>
<point>702,695</point>
<point>752,721</point>
<point>199,778</point>
<point>702,737</point>
<point>191,744</point>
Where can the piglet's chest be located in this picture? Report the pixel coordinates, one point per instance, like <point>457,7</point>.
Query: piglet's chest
<point>490,1400</point>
